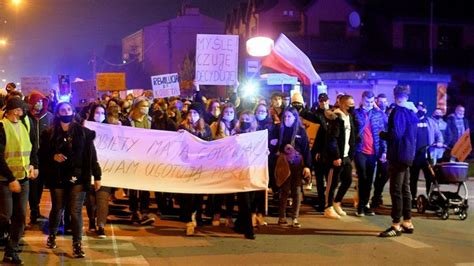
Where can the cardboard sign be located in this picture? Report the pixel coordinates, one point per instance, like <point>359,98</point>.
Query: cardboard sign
<point>463,147</point>
<point>179,162</point>
<point>110,82</point>
<point>280,79</point>
<point>442,96</point>
<point>217,59</point>
<point>64,84</point>
<point>311,130</point>
<point>39,83</point>
<point>165,85</point>
<point>83,92</point>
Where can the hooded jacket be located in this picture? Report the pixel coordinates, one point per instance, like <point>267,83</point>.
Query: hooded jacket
<point>42,120</point>
<point>336,136</point>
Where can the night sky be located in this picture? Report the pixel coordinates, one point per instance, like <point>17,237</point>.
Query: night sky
<point>59,36</point>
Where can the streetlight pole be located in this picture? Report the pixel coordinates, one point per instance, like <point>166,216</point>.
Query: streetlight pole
<point>431,37</point>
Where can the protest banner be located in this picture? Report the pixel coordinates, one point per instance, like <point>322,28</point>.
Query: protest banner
<point>216,59</point>
<point>83,92</point>
<point>179,162</point>
<point>64,84</point>
<point>110,82</point>
<point>39,83</point>
<point>311,130</point>
<point>165,85</point>
<point>463,146</point>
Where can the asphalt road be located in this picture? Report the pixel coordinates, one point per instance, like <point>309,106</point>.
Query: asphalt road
<point>320,241</point>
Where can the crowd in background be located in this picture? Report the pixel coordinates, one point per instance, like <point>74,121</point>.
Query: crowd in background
<point>382,140</point>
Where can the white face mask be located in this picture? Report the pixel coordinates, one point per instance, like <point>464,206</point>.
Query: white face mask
<point>144,110</point>
<point>99,118</point>
<point>38,106</point>
<point>261,117</point>
<point>194,118</point>
<point>228,117</point>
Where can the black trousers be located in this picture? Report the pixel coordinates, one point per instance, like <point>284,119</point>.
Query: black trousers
<point>415,174</point>
<point>243,223</point>
<point>321,171</point>
<point>343,174</point>
<point>365,166</point>
<point>381,178</point>
<point>400,191</point>
<point>34,197</point>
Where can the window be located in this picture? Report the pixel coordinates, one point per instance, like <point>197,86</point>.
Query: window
<point>450,37</point>
<point>416,37</point>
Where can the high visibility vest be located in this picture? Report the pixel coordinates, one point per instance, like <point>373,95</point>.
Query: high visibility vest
<point>18,147</point>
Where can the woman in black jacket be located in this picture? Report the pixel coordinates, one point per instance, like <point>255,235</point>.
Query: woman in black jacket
<point>69,158</point>
<point>291,139</point>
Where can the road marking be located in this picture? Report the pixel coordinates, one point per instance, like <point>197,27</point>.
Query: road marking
<point>135,260</point>
<point>122,246</point>
<point>115,247</point>
<point>410,242</point>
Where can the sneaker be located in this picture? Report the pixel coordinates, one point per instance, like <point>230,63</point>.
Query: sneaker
<point>338,209</point>
<point>331,213</point>
<point>229,222</point>
<point>216,220</point>
<point>147,220</point>
<point>295,223</point>
<point>12,258</point>
<point>359,213</point>
<point>101,233</point>
<point>282,222</point>
<point>135,217</point>
<point>261,220</point>
<point>193,219</point>
<point>407,229</point>
<point>250,236</point>
<point>77,251</point>
<point>391,232</point>
<point>368,211</point>
<point>190,229</point>
<point>51,242</point>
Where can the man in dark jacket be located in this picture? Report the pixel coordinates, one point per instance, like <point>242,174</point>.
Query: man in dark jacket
<point>457,124</point>
<point>370,148</point>
<point>401,141</point>
<point>40,120</point>
<point>341,146</point>
<point>18,163</point>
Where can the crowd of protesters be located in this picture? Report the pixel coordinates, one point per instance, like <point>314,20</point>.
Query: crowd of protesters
<point>44,143</point>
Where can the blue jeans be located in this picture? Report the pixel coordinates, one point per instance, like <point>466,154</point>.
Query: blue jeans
<point>13,213</point>
<point>365,166</point>
<point>73,197</point>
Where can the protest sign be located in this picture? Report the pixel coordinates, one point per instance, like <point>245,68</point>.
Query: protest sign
<point>463,146</point>
<point>216,59</point>
<point>39,83</point>
<point>311,130</point>
<point>179,162</point>
<point>110,82</point>
<point>64,84</point>
<point>165,85</point>
<point>83,92</point>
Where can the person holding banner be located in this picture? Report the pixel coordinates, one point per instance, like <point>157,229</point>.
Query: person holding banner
<point>191,204</point>
<point>223,127</point>
<point>248,201</point>
<point>139,118</point>
<point>97,201</point>
<point>290,140</point>
<point>68,157</point>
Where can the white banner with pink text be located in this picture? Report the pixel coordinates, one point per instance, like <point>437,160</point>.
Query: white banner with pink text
<point>179,162</point>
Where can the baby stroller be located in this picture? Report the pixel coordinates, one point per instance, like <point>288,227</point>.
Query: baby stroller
<point>445,173</point>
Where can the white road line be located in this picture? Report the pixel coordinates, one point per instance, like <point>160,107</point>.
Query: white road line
<point>115,247</point>
<point>122,246</point>
<point>135,260</point>
<point>410,242</point>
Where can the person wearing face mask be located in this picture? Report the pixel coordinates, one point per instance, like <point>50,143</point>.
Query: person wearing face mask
<point>341,136</point>
<point>18,164</point>
<point>401,147</point>
<point>97,201</point>
<point>276,107</point>
<point>427,133</point>
<point>291,139</point>
<point>68,157</point>
<point>40,120</point>
<point>438,118</point>
<point>224,127</point>
<point>251,204</point>
<point>139,117</point>
<point>457,124</point>
<point>370,148</point>
<point>191,204</point>
<point>320,163</point>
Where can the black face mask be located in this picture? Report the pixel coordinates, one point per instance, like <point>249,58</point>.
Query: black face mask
<point>66,118</point>
<point>245,125</point>
<point>351,109</point>
<point>297,106</point>
<point>437,117</point>
<point>421,114</point>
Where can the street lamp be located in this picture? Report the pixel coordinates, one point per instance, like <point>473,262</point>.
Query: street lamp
<point>259,46</point>
<point>16,2</point>
<point>3,42</point>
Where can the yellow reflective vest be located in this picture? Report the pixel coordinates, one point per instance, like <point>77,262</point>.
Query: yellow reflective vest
<point>18,147</point>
